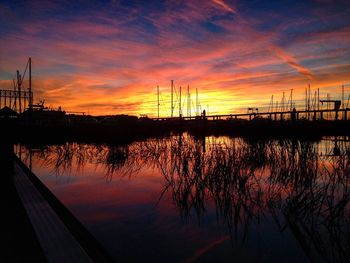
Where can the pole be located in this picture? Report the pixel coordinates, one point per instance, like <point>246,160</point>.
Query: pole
<point>291,99</point>
<point>305,99</point>
<point>314,101</point>
<point>180,104</point>
<point>172,98</point>
<point>342,96</point>
<point>188,101</point>
<point>309,98</point>
<point>272,104</point>
<point>158,99</point>
<point>328,98</point>
<point>30,84</point>
<point>19,91</point>
<point>197,103</point>
<point>14,90</point>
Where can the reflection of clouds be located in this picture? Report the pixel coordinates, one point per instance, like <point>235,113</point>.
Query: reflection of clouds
<point>246,181</point>
<point>200,252</point>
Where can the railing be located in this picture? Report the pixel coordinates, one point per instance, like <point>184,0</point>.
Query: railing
<point>278,115</point>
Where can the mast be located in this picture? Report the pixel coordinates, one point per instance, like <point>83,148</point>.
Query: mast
<point>272,103</point>
<point>342,96</point>
<point>305,99</point>
<point>30,84</point>
<point>14,89</point>
<point>158,99</point>
<point>197,103</point>
<point>308,99</point>
<point>318,98</point>
<point>172,98</point>
<point>19,82</point>
<point>180,104</point>
<point>188,101</point>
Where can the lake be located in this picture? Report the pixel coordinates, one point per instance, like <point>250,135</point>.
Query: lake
<point>190,199</point>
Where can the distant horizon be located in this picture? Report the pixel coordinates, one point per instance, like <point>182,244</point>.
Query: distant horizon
<point>107,58</point>
<point>271,106</point>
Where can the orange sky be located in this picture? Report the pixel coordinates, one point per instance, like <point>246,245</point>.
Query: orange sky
<point>108,58</point>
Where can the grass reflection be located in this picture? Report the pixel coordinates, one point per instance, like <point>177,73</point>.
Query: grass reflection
<point>302,185</point>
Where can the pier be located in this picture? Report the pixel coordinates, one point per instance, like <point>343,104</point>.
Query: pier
<point>295,115</point>
<point>311,109</point>
<point>56,241</point>
<point>313,117</point>
<point>38,227</point>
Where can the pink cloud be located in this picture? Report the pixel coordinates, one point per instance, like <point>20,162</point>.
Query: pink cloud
<point>225,6</point>
<point>288,58</point>
<point>95,62</point>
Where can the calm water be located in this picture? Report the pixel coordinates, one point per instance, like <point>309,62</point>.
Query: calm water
<point>184,199</point>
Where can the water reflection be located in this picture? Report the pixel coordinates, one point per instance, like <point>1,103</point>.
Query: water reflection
<point>302,185</point>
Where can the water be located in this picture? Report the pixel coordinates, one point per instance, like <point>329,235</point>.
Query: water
<point>187,199</point>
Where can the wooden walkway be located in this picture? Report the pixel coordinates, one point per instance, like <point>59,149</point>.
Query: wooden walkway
<point>58,244</point>
<point>341,114</point>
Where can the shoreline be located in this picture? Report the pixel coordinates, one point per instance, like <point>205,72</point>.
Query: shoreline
<point>139,129</point>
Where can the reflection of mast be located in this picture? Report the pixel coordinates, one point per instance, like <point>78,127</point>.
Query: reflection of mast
<point>203,144</point>
<point>293,189</point>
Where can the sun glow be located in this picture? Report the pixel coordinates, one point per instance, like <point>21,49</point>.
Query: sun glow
<point>232,54</point>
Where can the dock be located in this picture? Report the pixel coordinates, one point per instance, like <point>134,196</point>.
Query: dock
<point>52,233</point>
<point>57,243</point>
<point>294,115</point>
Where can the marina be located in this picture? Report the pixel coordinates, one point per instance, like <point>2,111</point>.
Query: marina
<point>175,131</point>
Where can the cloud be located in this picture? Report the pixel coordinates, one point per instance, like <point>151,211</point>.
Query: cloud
<point>116,58</point>
<point>225,6</point>
<point>292,62</point>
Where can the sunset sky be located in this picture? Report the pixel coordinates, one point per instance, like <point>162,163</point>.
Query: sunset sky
<point>107,57</point>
